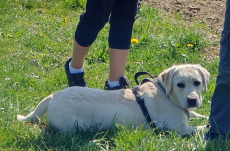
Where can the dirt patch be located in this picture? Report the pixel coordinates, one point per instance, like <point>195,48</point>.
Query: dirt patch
<point>208,12</point>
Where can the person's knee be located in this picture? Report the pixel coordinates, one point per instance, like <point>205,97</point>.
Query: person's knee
<point>97,21</point>
<point>120,34</point>
<point>88,28</point>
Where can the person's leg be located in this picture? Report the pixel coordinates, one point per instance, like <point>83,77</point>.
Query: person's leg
<point>78,56</point>
<point>227,16</point>
<point>91,22</point>
<point>121,25</point>
<point>220,115</point>
<point>118,59</point>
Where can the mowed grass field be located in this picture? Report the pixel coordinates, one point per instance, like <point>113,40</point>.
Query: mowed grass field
<point>36,39</point>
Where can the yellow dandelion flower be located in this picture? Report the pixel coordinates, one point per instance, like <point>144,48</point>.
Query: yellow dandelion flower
<point>190,45</point>
<point>134,40</point>
<point>52,22</point>
<point>71,42</point>
<point>42,35</point>
<point>65,20</point>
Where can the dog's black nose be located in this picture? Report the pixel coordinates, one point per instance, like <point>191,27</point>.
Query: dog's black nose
<point>191,102</point>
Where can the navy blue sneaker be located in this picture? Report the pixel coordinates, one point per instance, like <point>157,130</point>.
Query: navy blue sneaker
<point>124,83</point>
<point>74,79</point>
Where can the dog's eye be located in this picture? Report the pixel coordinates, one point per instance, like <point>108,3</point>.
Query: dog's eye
<point>180,85</point>
<point>196,83</point>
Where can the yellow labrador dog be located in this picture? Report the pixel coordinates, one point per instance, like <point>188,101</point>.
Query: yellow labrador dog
<point>95,108</point>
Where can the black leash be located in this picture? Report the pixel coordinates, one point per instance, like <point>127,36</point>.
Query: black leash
<point>140,100</point>
<point>142,73</point>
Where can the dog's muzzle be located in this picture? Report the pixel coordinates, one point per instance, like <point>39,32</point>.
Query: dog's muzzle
<point>192,102</point>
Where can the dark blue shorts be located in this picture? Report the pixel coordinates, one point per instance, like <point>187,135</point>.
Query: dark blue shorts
<point>121,16</point>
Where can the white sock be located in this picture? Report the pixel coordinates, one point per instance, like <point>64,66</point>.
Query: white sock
<point>113,84</point>
<point>75,71</point>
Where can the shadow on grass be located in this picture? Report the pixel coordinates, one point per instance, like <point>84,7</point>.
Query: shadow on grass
<point>117,137</point>
<point>51,139</point>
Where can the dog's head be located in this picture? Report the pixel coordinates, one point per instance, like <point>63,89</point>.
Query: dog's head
<point>184,84</point>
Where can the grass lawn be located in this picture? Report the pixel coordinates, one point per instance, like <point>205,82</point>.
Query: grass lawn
<point>36,39</point>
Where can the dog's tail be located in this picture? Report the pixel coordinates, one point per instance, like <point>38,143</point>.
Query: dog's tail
<point>40,111</point>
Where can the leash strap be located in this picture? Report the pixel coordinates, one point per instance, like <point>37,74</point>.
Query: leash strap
<point>141,103</point>
<point>142,73</point>
<point>140,100</point>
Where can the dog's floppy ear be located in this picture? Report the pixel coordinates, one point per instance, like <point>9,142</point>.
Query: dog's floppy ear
<point>166,78</point>
<point>205,76</point>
